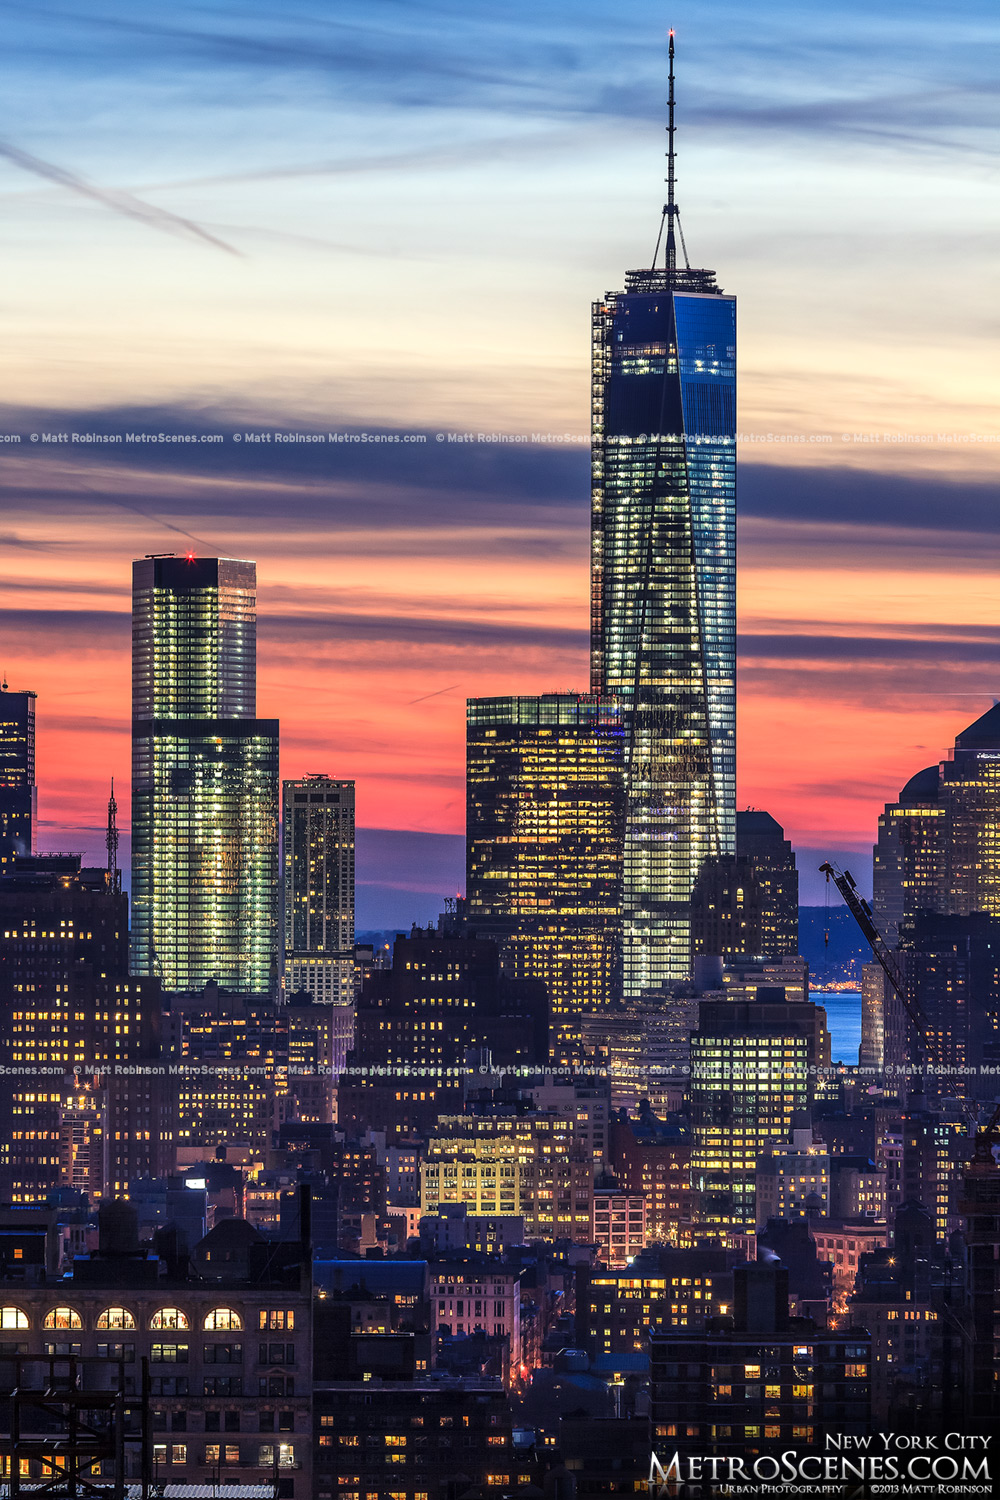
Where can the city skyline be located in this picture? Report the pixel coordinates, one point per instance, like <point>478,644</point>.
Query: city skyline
<point>865,567</point>
<point>457,1100</point>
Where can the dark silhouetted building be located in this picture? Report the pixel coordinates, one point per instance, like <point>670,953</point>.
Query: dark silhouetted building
<point>18,794</point>
<point>980,1207</point>
<point>746,906</point>
<point>758,1382</point>
<point>82,1087</point>
<point>952,966</point>
<point>417,1023</point>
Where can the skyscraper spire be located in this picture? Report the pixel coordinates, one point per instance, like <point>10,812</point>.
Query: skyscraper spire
<point>670,207</point>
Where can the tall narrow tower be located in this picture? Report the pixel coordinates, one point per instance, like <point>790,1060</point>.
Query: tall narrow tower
<point>318,848</point>
<point>663,618</point>
<point>204,780</point>
<point>18,797</point>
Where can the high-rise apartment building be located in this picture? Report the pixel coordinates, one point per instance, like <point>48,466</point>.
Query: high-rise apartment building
<point>318,857</point>
<point>18,796</point>
<point>663,624</point>
<point>204,780</point>
<point>543,844</point>
<point>746,906</point>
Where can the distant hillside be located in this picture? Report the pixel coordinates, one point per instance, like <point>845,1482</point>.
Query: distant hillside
<point>846,951</point>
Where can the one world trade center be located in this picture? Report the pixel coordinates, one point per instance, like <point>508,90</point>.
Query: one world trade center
<point>663,613</point>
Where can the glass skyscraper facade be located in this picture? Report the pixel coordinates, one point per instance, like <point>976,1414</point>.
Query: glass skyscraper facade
<point>938,846</point>
<point>318,855</point>
<point>664,592</point>
<point>204,780</point>
<point>18,797</point>
<point>543,846</point>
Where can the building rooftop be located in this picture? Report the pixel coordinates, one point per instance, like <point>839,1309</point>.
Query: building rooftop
<point>984,734</point>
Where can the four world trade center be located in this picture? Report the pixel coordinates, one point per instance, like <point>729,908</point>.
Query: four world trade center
<point>663,584</point>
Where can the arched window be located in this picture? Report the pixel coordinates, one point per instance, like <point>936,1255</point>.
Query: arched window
<point>169,1317</point>
<point>13,1317</point>
<point>62,1317</point>
<point>116,1317</point>
<point>224,1319</point>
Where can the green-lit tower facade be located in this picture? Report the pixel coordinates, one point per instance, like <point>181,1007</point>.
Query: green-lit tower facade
<point>204,780</point>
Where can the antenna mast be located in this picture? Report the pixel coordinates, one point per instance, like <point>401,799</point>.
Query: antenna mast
<point>114,874</point>
<point>670,207</point>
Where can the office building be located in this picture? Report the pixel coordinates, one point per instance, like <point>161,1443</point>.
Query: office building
<point>79,1038</point>
<point>318,858</point>
<point>938,848</point>
<point>664,586</point>
<point>644,1046</point>
<point>750,1073</point>
<point>746,906</point>
<point>543,840</point>
<point>537,1157</point>
<point>910,857</point>
<point>204,780</point>
<point>18,794</point>
<point>952,968</point>
<point>876,1000</point>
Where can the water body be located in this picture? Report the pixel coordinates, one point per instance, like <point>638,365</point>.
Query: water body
<point>843,1018</point>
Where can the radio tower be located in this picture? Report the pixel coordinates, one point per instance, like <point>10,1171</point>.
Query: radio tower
<point>114,876</point>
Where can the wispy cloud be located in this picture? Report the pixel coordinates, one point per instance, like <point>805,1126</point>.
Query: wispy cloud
<point>115,199</point>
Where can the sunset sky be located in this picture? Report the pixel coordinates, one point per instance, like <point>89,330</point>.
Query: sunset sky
<point>230,218</point>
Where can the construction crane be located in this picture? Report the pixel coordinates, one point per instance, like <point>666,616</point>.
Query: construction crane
<point>863,915</point>
<point>987,1136</point>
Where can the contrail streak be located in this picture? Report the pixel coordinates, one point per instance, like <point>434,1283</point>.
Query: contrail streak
<point>117,201</point>
<point>432,695</point>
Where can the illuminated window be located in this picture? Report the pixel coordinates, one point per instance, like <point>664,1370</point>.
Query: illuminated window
<point>62,1317</point>
<point>115,1317</point>
<point>13,1317</point>
<point>169,1317</point>
<point>222,1319</point>
<point>277,1318</point>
